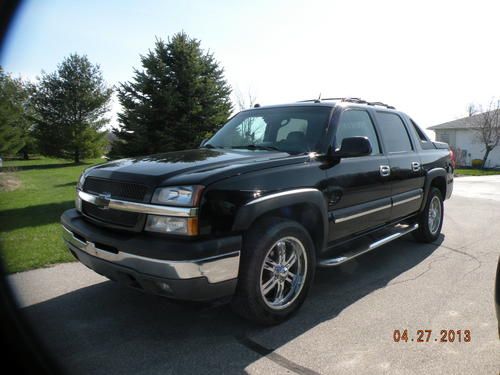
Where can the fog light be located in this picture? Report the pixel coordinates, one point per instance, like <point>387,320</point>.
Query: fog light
<point>174,225</point>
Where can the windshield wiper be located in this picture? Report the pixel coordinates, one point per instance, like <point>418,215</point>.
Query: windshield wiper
<point>258,147</point>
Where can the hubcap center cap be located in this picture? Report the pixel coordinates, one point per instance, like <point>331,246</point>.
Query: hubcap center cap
<point>281,271</point>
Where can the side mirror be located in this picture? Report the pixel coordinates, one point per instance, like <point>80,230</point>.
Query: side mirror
<point>202,143</point>
<point>353,147</point>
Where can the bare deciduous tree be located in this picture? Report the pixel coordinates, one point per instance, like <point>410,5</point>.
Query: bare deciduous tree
<point>245,102</point>
<point>471,109</point>
<point>488,129</point>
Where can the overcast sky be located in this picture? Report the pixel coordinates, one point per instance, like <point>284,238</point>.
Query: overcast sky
<point>428,58</point>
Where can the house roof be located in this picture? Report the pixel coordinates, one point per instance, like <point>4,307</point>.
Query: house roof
<point>469,122</point>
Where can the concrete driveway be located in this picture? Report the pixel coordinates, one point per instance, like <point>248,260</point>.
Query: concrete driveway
<point>345,327</point>
<point>483,187</point>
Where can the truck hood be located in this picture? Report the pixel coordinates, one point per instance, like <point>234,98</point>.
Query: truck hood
<point>198,166</point>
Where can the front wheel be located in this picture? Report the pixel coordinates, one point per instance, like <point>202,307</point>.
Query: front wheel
<point>276,270</point>
<point>430,220</point>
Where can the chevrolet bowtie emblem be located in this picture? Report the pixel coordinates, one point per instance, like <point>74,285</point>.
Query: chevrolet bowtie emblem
<point>102,201</point>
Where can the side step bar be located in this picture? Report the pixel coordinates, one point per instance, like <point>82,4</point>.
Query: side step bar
<point>397,232</point>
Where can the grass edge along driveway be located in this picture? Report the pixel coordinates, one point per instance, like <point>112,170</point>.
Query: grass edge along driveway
<point>475,172</point>
<point>30,234</point>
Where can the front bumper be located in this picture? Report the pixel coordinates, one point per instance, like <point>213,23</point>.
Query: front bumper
<point>188,270</point>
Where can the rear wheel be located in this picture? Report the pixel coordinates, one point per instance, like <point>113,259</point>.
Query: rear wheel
<point>430,220</point>
<point>276,270</point>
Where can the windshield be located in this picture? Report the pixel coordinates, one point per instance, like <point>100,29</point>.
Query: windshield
<point>290,129</point>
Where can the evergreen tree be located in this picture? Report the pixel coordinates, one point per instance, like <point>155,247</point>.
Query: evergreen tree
<point>14,122</point>
<point>69,107</point>
<point>177,99</point>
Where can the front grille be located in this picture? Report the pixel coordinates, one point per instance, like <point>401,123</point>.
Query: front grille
<point>115,217</point>
<point>117,189</point>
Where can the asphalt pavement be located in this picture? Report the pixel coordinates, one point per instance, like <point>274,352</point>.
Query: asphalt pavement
<point>346,326</point>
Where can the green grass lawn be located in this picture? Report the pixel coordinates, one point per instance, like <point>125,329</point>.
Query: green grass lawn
<point>30,235</point>
<point>475,172</point>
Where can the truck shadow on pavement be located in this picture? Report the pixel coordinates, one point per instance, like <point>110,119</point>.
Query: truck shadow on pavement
<point>108,329</point>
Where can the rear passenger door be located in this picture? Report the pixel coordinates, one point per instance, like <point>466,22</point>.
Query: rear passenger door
<point>406,172</point>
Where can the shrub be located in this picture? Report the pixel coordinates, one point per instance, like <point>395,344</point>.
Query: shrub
<point>477,163</point>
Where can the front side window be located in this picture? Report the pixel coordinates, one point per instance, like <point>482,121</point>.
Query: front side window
<point>290,129</point>
<point>357,123</point>
<point>394,132</point>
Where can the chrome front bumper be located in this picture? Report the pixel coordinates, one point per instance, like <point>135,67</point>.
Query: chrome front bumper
<point>215,269</point>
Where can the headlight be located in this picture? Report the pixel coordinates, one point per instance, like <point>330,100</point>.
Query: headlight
<point>172,225</point>
<point>187,196</point>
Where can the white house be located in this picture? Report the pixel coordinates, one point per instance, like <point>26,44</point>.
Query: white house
<point>463,140</point>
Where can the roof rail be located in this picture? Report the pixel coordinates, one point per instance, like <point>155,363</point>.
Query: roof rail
<point>350,100</point>
<point>382,105</point>
<point>310,100</point>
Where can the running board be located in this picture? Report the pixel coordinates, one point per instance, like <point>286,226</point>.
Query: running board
<point>396,232</point>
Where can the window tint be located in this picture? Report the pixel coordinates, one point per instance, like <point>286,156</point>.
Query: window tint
<point>394,132</point>
<point>355,123</point>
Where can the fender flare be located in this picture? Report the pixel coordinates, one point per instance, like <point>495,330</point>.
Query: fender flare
<point>430,176</point>
<point>255,208</point>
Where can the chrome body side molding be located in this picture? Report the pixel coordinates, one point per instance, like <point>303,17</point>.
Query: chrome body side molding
<point>373,210</point>
<point>395,201</point>
<point>407,200</point>
<point>281,194</point>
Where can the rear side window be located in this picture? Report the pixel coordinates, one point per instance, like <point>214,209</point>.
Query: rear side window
<point>357,123</point>
<point>394,132</point>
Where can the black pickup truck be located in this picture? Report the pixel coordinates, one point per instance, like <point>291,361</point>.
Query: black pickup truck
<point>275,193</point>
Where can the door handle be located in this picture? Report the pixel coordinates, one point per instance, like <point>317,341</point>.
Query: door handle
<point>415,166</point>
<point>385,170</point>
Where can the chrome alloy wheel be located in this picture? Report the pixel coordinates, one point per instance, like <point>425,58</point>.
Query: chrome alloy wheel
<point>283,273</point>
<point>434,218</point>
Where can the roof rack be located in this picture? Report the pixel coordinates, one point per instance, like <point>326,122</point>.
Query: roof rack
<point>350,100</point>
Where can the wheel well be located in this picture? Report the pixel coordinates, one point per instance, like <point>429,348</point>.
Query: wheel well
<point>306,214</point>
<point>440,183</point>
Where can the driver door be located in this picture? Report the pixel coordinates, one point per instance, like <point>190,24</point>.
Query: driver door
<point>359,191</point>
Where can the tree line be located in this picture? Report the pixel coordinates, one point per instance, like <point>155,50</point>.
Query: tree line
<point>177,98</point>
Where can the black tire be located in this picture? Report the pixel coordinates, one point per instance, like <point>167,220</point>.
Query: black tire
<point>426,233</point>
<point>258,245</point>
